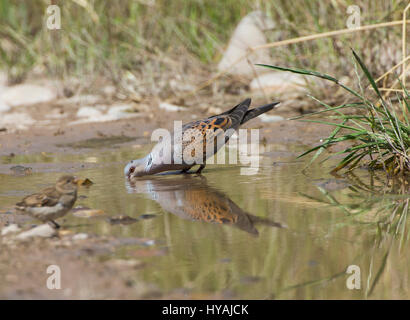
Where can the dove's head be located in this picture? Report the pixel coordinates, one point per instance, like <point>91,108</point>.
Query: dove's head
<point>136,168</point>
<point>66,184</point>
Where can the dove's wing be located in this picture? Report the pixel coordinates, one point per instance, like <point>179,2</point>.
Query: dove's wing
<point>213,132</point>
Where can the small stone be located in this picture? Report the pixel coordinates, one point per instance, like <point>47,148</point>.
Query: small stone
<point>102,113</point>
<point>89,213</point>
<point>270,118</point>
<point>88,112</point>
<point>3,106</point>
<point>83,99</point>
<point>13,228</point>
<point>21,170</point>
<point>43,231</point>
<point>65,232</point>
<point>27,94</point>
<point>149,243</point>
<point>122,219</point>
<point>147,216</point>
<point>122,263</point>
<point>170,107</point>
<point>85,182</point>
<point>80,236</point>
<point>16,120</point>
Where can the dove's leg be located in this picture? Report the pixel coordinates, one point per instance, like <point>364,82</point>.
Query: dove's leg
<point>54,224</point>
<point>200,169</point>
<point>186,170</point>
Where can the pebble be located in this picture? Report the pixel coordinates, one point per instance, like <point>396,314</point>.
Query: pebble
<point>170,107</point>
<point>13,228</point>
<point>27,94</point>
<point>122,263</point>
<point>270,118</point>
<point>43,231</point>
<point>122,219</point>
<point>103,113</point>
<point>147,216</point>
<point>4,107</point>
<point>88,213</point>
<point>80,236</point>
<point>16,120</point>
<point>21,170</point>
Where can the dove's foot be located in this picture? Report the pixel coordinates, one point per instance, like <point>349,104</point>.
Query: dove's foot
<point>186,170</point>
<point>53,224</point>
<point>200,169</point>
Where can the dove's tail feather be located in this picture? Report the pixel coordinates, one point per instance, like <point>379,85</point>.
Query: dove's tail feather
<point>246,102</point>
<point>250,114</point>
<point>238,112</point>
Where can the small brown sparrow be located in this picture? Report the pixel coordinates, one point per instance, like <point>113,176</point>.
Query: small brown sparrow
<point>51,203</point>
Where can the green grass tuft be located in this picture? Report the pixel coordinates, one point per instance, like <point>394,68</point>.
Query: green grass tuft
<point>380,136</point>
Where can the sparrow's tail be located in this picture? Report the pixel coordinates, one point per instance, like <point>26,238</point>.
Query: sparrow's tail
<point>250,114</point>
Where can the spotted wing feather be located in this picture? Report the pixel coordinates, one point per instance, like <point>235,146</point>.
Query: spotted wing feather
<point>208,130</point>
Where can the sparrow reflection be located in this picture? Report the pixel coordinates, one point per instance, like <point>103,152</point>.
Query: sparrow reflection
<point>191,198</point>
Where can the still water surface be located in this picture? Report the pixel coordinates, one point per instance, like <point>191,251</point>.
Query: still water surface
<point>283,233</point>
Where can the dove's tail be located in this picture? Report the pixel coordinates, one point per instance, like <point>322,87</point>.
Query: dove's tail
<point>250,114</point>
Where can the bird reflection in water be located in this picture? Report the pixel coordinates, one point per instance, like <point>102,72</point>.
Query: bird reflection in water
<point>191,198</point>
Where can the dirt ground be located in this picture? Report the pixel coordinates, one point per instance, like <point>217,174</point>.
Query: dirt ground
<point>59,134</point>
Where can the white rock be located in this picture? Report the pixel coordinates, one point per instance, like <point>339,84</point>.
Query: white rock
<point>4,107</point>
<point>169,107</point>
<point>88,112</point>
<point>27,94</point>
<point>80,236</point>
<point>44,231</point>
<point>279,82</point>
<point>270,118</point>
<point>10,229</point>
<point>249,33</point>
<point>16,120</point>
<point>83,99</point>
<point>95,114</point>
<point>119,112</point>
<point>109,90</point>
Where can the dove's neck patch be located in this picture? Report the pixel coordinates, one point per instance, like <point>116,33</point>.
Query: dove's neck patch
<point>149,161</point>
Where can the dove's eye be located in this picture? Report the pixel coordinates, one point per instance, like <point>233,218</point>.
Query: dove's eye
<point>132,169</point>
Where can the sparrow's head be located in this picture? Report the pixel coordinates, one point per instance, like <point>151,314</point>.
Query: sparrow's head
<point>136,168</point>
<point>66,184</point>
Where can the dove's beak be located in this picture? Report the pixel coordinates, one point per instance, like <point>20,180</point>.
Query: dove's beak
<point>129,169</point>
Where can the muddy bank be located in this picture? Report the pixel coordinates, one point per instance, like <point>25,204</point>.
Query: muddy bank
<point>90,269</point>
<point>62,136</point>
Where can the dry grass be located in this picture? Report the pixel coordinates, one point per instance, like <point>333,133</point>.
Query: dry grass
<point>110,38</point>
